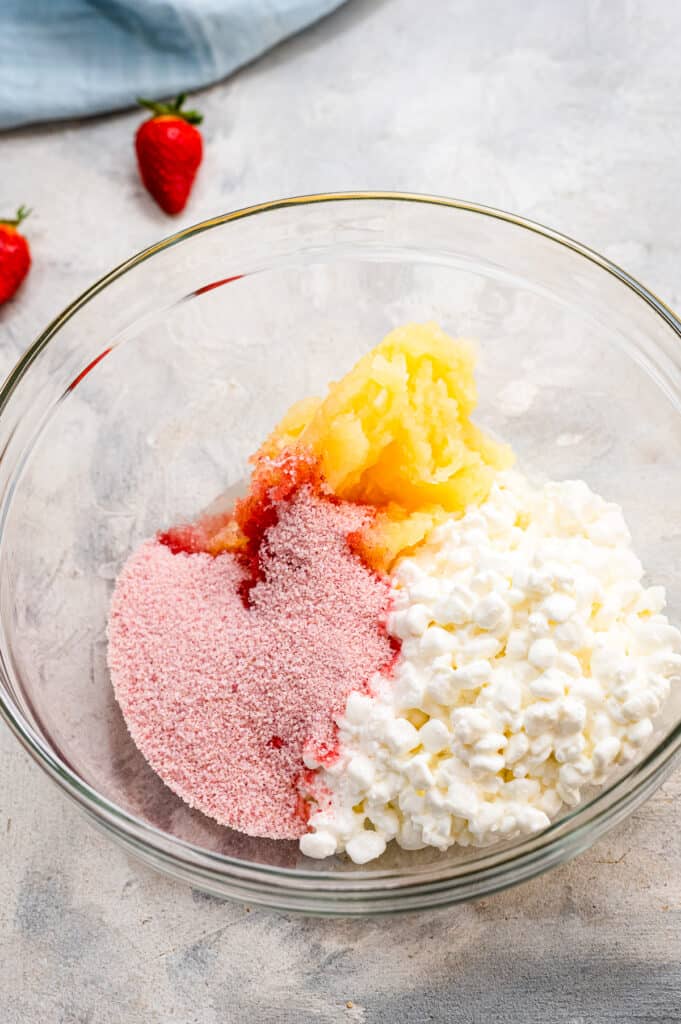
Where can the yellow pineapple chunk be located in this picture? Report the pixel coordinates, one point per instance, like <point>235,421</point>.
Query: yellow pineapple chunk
<point>395,433</point>
<point>289,429</point>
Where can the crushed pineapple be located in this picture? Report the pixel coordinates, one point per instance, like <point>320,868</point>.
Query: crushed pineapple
<point>395,433</point>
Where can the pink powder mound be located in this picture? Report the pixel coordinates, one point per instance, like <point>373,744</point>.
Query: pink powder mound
<point>222,699</point>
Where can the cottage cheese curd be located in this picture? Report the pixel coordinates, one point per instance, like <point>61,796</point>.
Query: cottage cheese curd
<point>533,663</point>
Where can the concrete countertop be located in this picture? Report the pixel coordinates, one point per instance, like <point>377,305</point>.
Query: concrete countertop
<point>565,113</point>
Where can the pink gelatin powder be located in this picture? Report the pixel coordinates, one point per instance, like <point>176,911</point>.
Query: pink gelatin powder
<point>222,698</point>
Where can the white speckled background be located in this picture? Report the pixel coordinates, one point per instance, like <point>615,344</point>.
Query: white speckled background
<point>566,113</point>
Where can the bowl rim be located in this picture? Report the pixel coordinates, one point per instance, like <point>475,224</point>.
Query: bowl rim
<point>539,851</point>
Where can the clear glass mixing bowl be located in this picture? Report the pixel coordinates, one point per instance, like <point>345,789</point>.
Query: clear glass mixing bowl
<point>142,401</point>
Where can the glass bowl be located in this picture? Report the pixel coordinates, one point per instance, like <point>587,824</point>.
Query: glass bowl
<point>142,401</point>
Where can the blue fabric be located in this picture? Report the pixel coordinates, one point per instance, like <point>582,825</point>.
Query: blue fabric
<point>69,58</point>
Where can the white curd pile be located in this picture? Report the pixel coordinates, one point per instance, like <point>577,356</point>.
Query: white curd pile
<point>532,666</point>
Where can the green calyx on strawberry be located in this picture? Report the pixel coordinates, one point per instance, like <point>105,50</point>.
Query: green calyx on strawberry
<point>169,152</point>
<point>15,255</point>
<point>22,213</point>
<point>173,109</point>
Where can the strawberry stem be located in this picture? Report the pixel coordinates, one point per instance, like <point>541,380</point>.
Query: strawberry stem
<point>22,213</point>
<point>172,109</point>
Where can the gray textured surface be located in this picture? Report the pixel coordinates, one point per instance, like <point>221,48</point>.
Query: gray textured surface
<point>563,112</point>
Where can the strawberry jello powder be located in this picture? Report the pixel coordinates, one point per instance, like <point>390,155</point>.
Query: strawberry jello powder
<point>223,697</point>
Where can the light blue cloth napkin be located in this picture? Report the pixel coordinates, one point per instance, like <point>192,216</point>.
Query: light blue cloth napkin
<point>69,58</point>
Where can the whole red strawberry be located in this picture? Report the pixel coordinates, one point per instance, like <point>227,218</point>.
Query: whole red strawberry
<point>169,152</point>
<point>15,255</point>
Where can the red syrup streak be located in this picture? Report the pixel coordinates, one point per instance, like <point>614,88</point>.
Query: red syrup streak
<point>191,538</point>
<point>90,366</point>
<point>217,284</point>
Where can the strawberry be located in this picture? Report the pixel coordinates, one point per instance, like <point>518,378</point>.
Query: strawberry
<point>15,255</point>
<point>169,152</point>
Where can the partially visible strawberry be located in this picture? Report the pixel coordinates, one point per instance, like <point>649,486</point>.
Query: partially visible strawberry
<point>169,152</point>
<point>15,255</point>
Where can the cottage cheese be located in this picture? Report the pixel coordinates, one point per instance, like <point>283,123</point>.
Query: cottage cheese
<point>533,663</point>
